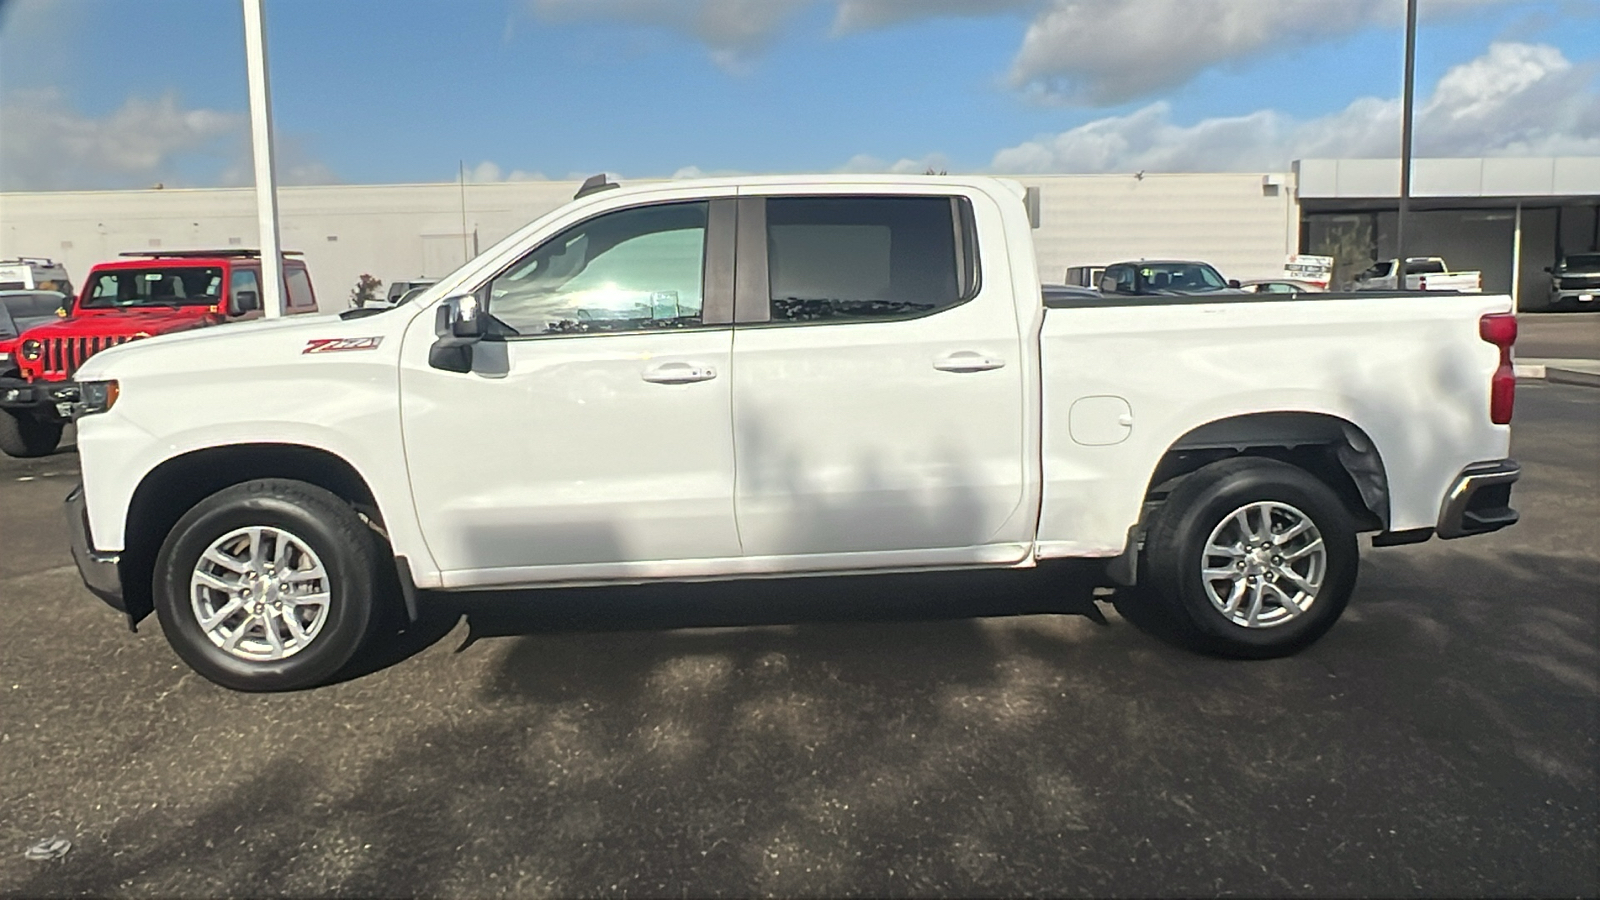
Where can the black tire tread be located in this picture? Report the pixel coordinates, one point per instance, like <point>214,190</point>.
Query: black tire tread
<point>355,538</point>
<point>1164,568</point>
<point>25,437</point>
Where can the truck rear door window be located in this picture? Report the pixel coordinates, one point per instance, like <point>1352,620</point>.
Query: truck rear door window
<point>862,258</point>
<point>298,284</point>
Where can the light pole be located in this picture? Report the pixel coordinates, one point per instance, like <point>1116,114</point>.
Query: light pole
<point>255,56</point>
<point>1405,145</point>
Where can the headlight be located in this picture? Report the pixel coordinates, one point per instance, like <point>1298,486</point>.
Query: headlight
<point>96,397</point>
<point>32,349</point>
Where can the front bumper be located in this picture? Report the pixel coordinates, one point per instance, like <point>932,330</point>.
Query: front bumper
<point>1480,500</point>
<point>49,399</point>
<point>99,570</point>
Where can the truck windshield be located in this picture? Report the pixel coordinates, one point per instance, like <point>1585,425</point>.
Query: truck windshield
<point>1180,277</point>
<point>191,286</point>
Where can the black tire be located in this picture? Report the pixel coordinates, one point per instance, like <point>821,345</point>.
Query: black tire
<point>325,524</point>
<point>1170,566</point>
<point>25,436</point>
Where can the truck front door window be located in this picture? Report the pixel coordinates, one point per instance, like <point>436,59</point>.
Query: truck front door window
<point>244,280</point>
<point>639,269</point>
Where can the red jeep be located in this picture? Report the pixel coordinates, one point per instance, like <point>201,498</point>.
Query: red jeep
<point>145,295</point>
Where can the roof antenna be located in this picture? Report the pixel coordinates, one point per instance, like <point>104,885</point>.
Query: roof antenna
<point>594,184</point>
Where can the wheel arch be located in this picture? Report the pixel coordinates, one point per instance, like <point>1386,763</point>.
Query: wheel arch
<point>1332,449</point>
<point>172,488</point>
<point>1324,445</point>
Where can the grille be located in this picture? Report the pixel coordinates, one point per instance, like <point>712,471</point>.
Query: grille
<point>63,356</point>
<point>1579,282</point>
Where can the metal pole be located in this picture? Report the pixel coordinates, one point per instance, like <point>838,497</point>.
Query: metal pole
<point>255,56</point>
<point>1405,144</point>
<point>1516,263</point>
<point>462,173</point>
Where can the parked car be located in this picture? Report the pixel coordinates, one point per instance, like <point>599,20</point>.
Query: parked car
<point>1164,277</point>
<point>1085,276</point>
<point>1575,282</point>
<point>781,375</point>
<point>1423,273</point>
<point>399,290</point>
<point>32,273</point>
<point>1280,286</point>
<point>19,311</point>
<point>1068,293</point>
<point>139,296</point>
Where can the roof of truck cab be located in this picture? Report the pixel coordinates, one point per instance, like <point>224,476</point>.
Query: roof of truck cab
<point>842,181</point>
<point>188,260</point>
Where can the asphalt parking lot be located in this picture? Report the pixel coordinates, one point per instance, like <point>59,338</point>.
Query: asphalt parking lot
<point>886,736</point>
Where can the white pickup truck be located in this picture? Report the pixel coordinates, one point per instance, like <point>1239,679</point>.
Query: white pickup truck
<point>773,376</point>
<point>1423,273</point>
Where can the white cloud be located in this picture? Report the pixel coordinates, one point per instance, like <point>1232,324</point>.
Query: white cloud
<point>1514,100</point>
<point>864,164</point>
<point>46,144</point>
<point>697,172</point>
<point>1094,52</point>
<point>1104,52</point>
<point>488,171</point>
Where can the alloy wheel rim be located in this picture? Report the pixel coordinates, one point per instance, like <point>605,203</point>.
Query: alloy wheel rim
<point>260,593</point>
<point>1263,564</point>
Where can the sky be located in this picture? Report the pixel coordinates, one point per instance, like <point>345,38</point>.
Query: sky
<point>129,93</point>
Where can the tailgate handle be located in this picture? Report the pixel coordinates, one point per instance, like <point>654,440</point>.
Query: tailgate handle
<point>678,373</point>
<point>967,361</point>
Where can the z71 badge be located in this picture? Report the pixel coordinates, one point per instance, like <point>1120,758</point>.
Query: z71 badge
<point>334,345</point>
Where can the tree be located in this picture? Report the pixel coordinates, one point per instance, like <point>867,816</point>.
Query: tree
<point>365,291</point>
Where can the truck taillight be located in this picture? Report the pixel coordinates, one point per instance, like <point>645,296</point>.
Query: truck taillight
<point>1500,329</point>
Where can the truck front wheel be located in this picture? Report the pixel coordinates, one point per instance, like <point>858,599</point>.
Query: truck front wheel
<point>267,585</point>
<point>24,436</point>
<point>1250,558</point>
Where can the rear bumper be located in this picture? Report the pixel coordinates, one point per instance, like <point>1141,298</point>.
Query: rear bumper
<point>1479,501</point>
<point>99,570</point>
<point>1585,298</point>
<point>41,398</point>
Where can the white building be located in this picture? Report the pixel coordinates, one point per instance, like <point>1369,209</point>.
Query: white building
<point>1244,224</point>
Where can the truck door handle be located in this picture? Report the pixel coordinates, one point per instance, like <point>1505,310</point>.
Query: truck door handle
<point>967,361</point>
<point>678,373</point>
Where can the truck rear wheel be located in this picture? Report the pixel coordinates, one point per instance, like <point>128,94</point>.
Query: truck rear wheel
<point>1250,558</point>
<point>24,436</point>
<point>267,585</point>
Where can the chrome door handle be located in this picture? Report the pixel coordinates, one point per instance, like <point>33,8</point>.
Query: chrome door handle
<point>678,373</point>
<point>967,361</point>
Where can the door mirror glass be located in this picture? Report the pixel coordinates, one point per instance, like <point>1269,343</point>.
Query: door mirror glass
<point>459,324</point>
<point>461,317</point>
<point>243,302</point>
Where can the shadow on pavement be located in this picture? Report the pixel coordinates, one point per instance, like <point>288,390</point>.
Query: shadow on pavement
<point>901,736</point>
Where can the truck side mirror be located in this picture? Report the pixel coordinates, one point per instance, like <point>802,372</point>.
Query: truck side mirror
<point>459,323</point>
<point>1233,283</point>
<point>1548,269</point>
<point>243,302</point>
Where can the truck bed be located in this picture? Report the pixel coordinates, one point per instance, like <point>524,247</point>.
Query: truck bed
<point>1125,378</point>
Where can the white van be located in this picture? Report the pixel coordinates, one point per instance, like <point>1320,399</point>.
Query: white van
<point>34,274</point>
